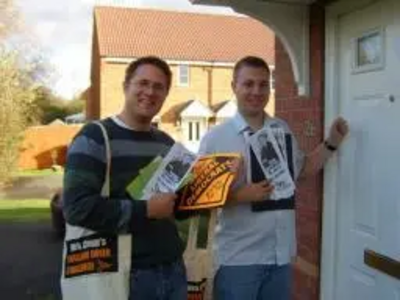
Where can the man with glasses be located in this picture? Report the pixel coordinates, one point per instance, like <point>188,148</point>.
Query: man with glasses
<point>157,268</point>
<point>255,236</point>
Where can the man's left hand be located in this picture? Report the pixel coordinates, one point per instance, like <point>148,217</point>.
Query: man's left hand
<point>338,132</point>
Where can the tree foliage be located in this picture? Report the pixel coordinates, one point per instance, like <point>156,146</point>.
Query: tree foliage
<point>23,98</point>
<point>16,108</point>
<point>9,18</point>
<point>51,107</point>
<point>17,81</point>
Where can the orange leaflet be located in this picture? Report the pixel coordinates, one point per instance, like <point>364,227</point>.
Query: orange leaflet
<point>212,177</point>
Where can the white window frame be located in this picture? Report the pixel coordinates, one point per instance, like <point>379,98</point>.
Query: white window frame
<point>272,81</point>
<point>180,76</point>
<point>194,130</point>
<point>369,67</point>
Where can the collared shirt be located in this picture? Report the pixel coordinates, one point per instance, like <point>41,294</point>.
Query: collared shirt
<point>244,237</point>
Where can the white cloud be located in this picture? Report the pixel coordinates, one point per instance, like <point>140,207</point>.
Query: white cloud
<point>64,30</point>
<point>45,30</point>
<point>73,69</point>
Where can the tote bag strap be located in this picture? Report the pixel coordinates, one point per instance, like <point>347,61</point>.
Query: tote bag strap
<point>105,191</point>
<point>193,233</point>
<point>211,229</point>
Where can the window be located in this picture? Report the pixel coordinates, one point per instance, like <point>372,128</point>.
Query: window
<point>194,131</point>
<point>183,75</point>
<point>369,51</point>
<point>190,131</point>
<point>272,79</point>
<point>197,131</point>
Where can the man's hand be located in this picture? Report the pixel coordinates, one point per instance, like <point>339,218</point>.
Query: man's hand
<point>259,191</point>
<point>238,167</point>
<point>338,132</point>
<point>316,159</point>
<point>253,192</point>
<point>161,206</point>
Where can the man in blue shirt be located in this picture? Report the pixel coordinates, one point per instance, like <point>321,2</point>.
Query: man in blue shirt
<point>255,236</point>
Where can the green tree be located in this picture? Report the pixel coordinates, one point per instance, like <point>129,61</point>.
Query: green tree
<point>18,76</point>
<point>9,18</point>
<point>51,107</point>
<point>16,109</point>
<point>75,106</point>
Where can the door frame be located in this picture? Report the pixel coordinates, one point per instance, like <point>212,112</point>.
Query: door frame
<point>329,256</point>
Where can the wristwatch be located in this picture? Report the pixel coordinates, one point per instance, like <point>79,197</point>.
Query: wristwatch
<point>329,146</point>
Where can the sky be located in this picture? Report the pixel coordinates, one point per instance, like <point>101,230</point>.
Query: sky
<point>62,31</point>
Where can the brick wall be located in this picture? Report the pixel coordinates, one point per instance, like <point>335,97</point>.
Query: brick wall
<point>41,142</point>
<point>305,116</point>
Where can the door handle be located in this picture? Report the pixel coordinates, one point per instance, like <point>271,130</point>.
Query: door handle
<point>382,263</point>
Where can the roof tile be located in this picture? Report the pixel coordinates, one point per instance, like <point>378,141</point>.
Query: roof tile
<point>133,32</point>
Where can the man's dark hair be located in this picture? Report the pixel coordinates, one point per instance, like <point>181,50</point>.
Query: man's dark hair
<point>148,60</point>
<point>250,61</point>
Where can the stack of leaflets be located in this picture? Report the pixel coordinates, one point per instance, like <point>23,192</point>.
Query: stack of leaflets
<point>269,147</point>
<point>202,181</point>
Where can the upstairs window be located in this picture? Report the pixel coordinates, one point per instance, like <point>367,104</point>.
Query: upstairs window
<point>183,75</point>
<point>272,79</point>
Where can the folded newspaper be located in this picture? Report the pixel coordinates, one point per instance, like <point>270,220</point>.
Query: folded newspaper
<point>269,147</point>
<point>202,181</point>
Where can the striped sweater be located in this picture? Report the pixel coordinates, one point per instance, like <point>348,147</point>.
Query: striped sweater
<point>154,241</point>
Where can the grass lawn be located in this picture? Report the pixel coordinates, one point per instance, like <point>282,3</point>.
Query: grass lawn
<point>25,210</point>
<point>34,173</point>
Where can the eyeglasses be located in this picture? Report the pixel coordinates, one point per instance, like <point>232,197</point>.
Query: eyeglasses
<point>145,84</point>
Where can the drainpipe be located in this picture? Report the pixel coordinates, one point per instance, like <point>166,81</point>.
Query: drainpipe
<point>209,71</point>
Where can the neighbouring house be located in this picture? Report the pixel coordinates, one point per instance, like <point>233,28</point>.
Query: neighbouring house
<point>341,57</point>
<point>201,50</point>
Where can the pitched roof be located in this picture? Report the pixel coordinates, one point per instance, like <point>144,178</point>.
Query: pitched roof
<point>228,109</point>
<point>133,32</point>
<point>217,107</point>
<point>189,108</point>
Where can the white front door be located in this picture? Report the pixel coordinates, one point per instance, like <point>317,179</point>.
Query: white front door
<point>368,175</point>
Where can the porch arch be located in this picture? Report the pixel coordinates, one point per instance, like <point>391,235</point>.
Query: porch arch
<point>289,19</point>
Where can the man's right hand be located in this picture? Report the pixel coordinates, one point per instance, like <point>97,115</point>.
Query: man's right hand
<point>252,192</point>
<point>161,206</point>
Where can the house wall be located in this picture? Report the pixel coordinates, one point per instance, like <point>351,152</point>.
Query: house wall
<point>305,116</point>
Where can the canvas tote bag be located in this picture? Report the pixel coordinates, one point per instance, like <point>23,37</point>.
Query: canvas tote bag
<point>199,262</point>
<point>96,266</point>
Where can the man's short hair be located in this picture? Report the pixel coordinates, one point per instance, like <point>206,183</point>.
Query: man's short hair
<point>250,61</point>
<point>148,60</point>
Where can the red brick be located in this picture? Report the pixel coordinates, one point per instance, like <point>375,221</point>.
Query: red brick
<point>298,111</point>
